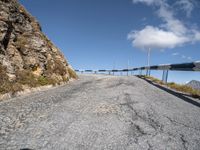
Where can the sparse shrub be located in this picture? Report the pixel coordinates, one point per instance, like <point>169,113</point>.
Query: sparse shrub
<point>6,85</point>
<point>184,88</point>
<point>21,42</point>
<point>26,77</point>
<point>178,87</point>
<point>72,74</point>
<point>46,81</point>
<point>65,79</point>
<point>4,80</point>
<point>15,87</point>
<point>3,75</point>
<point>49,43</point>
<point>60,68</point>
<point>56,67</point>
<point>43,81</point>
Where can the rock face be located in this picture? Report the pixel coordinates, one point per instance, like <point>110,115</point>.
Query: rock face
<point>194,84</point>
<point>23,46</point>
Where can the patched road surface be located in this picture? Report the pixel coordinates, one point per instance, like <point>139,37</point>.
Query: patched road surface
<point>100,112</point>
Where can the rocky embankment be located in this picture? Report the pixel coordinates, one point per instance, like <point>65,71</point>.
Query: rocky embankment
<point>27,57</point>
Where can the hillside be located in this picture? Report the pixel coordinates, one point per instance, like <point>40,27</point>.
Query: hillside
<point>27,57</point>
<point>194,84</point>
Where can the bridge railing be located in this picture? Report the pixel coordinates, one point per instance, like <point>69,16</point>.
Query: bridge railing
<point>193,66</point>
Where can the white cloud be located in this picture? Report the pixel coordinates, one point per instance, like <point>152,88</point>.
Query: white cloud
<point>153,37</point>
<point>183,56</point>
<point>196,35</point>
<point>171,33</point>
<point>186,5</point>
<point>171,23</point>
<point>175,54</point>
<point>144,19</point>
<point>148,2</point>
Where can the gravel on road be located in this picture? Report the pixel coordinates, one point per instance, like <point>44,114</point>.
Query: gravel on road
<point>100,112</point>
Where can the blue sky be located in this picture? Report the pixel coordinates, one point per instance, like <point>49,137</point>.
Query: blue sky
<point>101,34</point>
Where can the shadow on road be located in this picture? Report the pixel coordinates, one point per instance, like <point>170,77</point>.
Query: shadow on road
<point>177,94</point>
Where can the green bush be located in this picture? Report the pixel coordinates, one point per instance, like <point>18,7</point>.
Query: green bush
<point>46,81</point>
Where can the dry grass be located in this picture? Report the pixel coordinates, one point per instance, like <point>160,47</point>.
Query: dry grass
<point>6,85</point>
<point>178,87</point>
<point>56,67</point>
<point>184,88</point>
<point>23,77</point>
<point>154,80</point>
<point>26,78</point>
<point>72,73</point>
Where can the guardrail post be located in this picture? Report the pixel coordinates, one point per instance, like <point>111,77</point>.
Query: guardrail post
<point>165,76</point>
<point>140,71</point>
<point>148,72</point>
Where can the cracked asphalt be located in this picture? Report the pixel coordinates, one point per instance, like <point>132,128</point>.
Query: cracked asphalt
<point>100,112</point>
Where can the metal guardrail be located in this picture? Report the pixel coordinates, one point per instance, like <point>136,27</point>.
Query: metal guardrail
<point>193,66</point>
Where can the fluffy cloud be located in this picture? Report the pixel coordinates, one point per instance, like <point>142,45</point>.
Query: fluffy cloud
<point>171,33</point>
<point>153,37</point>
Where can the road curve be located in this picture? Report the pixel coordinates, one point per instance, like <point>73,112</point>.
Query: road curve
<point>100,112</point>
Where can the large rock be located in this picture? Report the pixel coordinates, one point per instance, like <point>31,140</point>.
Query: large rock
<point>23,46</point>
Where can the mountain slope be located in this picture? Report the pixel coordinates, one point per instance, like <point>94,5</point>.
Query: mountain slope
<point>194,84</point>
<point>27,56</point>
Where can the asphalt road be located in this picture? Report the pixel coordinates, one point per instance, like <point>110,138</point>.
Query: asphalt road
<point>100,112</point>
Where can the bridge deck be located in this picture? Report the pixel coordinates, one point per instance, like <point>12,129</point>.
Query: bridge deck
<point>100,112</point>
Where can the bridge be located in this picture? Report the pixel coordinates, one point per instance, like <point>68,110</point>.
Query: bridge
<point>103,112</point>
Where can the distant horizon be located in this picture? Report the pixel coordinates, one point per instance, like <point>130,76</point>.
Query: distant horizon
<point>105,35</point>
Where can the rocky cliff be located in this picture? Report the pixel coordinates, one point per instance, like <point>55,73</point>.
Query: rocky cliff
<point>27,57</point>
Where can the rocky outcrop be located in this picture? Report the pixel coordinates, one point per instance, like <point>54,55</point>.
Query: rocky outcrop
<point>24,49</point>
